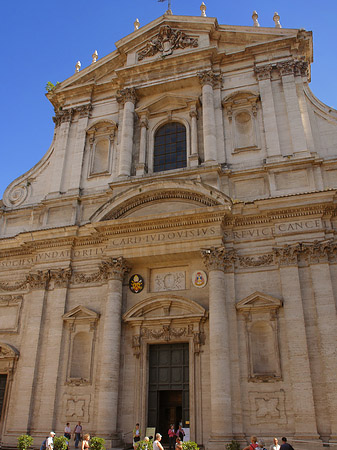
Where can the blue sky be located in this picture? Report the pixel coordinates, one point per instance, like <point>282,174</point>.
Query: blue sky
<point>41,41</point>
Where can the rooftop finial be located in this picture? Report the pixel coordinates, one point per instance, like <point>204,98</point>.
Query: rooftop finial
<point>255,17</point>
<point>78,66</point>
<point>203,9</point>
<point>136,24</point>
<point>276,19</point>
<point>169,10</point>
<point>94,57</point>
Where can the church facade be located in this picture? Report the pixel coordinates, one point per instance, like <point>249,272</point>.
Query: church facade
<point>172,258</point>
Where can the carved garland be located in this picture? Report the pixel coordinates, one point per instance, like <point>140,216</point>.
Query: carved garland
<point>167,333</point>
<point>166,41</point>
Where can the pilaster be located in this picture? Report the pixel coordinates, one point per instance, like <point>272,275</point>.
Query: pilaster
<point>78,154</point>
<point>141,166</point>
<point>317,256</point>
<point>127,97</point>
<point>208,79</point>
<point>114,270</point>
<point>20,416</point>
<point>263,74</point>
<point>62,122</point>
<point>217,261</point>
<point>287,73</point>
<point>299,367</point>
<point>194,156</point>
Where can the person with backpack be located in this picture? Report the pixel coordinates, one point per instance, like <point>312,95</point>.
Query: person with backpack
<point>50,441</point>
<point>285,445</point>
<point>253,444</point>
<point>44,444</point>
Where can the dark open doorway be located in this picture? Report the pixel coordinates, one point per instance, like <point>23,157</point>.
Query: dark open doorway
<point>168,396</point>
<point>170,411</point>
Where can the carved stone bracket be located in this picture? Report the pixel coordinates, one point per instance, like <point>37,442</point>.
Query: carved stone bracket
<point>166,41</point>
<point>127,95</point>
<point>209,77</point>
<point>218,258</point>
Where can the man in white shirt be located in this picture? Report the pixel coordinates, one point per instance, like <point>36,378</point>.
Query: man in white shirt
<point>50,441</point>
<point>275,445</point>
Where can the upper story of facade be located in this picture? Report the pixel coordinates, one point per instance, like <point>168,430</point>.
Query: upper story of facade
<point>182,101</point>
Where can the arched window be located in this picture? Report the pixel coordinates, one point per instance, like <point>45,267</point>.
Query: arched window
<point>169,147</point>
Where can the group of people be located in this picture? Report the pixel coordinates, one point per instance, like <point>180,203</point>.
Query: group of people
<point>256,444</point>
<point>48,443</point>
<point>175,438</point>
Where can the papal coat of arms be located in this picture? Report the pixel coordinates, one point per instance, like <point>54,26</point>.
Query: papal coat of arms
<point>199,279</point>
<point>136,283</point>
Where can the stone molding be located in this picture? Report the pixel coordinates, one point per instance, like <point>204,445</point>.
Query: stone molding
<point>208,77</point>
<point>258,261</point>
<point>166,41</point>
<point>127,95</point>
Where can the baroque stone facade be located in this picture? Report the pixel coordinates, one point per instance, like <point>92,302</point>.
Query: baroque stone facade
<point>173,256</point>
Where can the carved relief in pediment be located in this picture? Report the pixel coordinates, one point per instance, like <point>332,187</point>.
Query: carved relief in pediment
<point>166,41</point>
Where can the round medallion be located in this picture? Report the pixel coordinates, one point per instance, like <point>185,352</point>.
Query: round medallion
<point>136,283</point>
<point>199,279</point>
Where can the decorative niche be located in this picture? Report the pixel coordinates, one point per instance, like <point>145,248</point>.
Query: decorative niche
<point>100,142</point>
<point>260,316</point>
<point>242,121</point>
<point>81,323</point>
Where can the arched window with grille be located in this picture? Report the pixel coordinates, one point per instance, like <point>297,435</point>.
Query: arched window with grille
<point>169,147</point>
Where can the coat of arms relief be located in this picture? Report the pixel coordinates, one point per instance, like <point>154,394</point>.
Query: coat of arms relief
<point>166,41</point>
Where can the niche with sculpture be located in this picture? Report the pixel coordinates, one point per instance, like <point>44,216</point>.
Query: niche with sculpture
<point>81,323</point>
<point>100,142</point>
<point>242,121</point>
<point>260,317</point>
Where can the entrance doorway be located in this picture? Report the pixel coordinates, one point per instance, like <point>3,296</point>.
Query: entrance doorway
<point>168,400</point>
<point>3,382</point>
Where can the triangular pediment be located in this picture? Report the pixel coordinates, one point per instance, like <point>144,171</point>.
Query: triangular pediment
<point>257,301</point>
<point>81,313</point>
<point>163,307</point>
<point>8,351</point>
<point>167,102</point>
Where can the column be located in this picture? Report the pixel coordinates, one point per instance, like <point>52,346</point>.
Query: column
<point>108,383</point>
<point>317,255</point>
<point>263,74</point>
<point>141,166</point>
<point>62,121</point>
<point>51,347</point>
<point>217,262</point>
<point>74,183</point>
<point>128,98</point>
<point>299,377</point>
<point>24,387</point>
<point>194,156</point>
<point>293,109</point>
<point>207,79</point>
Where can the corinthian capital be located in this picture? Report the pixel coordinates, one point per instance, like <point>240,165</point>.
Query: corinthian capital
<point>219,258</point>
<point>287,255</point>
<point>209,77</point>
<point>114,268</point>
<point>39,279</point>
<point>317,252</point>
<point>61,277</point>
<point>263,72</point>
<point>127,95</point>
<point>286,67</point>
